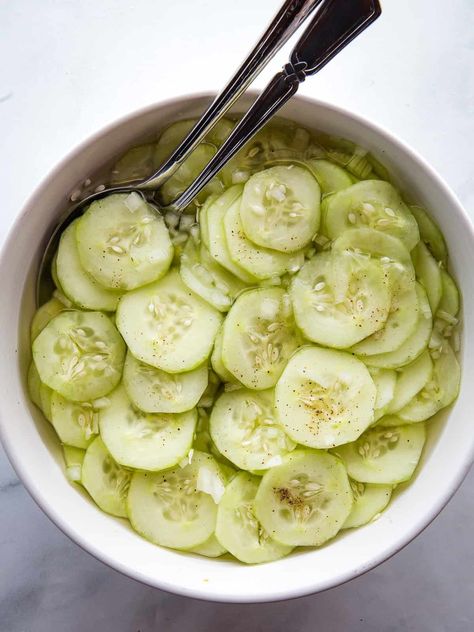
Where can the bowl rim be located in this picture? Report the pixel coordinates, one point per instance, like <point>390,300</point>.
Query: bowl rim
<point>51,509</point>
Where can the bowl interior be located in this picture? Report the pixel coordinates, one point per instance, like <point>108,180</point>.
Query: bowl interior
<point>34,449</point>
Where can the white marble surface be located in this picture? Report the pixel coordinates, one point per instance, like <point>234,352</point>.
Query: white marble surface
<point>70,67</point>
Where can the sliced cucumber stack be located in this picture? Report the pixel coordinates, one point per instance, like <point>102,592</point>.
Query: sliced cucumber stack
<point>430,233</point>
<point>340,300</point>
<point>280,208</point>
<point>414,344</point>
<point>440,390</point>
<point>253,374</point>
<point>262,262</point>
<point>207,278</point>
<point>218,248</point>
<point>371,203</point>
<point>238,528</point>
<point>82,289</point>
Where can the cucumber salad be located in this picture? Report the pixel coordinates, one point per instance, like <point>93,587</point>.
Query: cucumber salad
<point>258,373</point>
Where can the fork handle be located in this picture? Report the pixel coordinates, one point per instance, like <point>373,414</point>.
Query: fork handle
<point>288,19</point>
<point>336,24</point>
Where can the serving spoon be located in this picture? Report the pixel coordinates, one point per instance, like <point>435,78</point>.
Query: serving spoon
<point>336,23</point>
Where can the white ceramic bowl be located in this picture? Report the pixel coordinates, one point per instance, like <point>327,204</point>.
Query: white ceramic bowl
<point>34,451</point>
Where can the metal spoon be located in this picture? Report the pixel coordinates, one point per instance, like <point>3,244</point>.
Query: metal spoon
<point>336,24</point>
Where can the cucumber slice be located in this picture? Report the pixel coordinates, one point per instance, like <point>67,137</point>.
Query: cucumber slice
<point>389,421</point>
<point>54,272</point>
<point>202,438</point>
<point>39,393</point>
<point>280,208</point>
<point>429,274</point>
<point>220,131</point>
<point>187,172</point>
<point>77,423</point>
<point>217,241</point>
<point>346,153</point>
<point>207,278</point>
<point>411,379</point>
<point>167,508</point>
<point>416,342</point>
<point>306,500</point>
<point>46,396</point>
<point>170,138</point>
<point>62,298</point>
<point>123,243</point>
<point>385,381</point>
<point>80,287</point>
<point>324,398</point>
<point>367,242</point>
<point>430,233</point>
<point>277,141</point>
<point>154,391</point>
<point>174,134</point>
<point>369,501</point>
<point>201,217</point>
<point>395,260</point>
<point>34,385</point>
<point>44,314</point>
<point>73,458</point>
<point>167,326</point>
<point>105,480</point>
<point>259,337</point>
<point>209,396</point>
<point>263,263</point>
<point>372,203</point>
<point>244,429</point>
<point>148,441</point>
<point>331,177</point>
<point>384,455</point>
<point>135,164</point>
<point>210,548</point>
<point>238,529</point>
<point>80,355</point>
<point>216,360</point>
<point>449,303</point>
<point>339,300</point>
<point>440,391</point>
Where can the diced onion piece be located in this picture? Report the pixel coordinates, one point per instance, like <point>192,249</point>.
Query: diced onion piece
<point>209,483</point>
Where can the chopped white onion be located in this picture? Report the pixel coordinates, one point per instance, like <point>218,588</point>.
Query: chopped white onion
<point>133,202</point>
<point>274,461</point>
<point>210,483</point>
<point>73,472</point>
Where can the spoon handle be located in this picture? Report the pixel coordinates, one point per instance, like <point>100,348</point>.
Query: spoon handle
<point>288,19</point>
<point>336,24</point>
